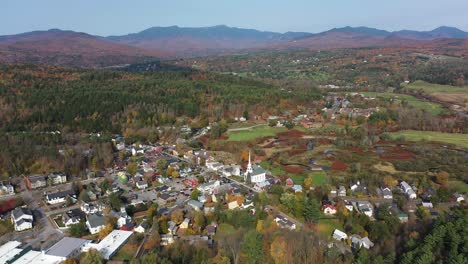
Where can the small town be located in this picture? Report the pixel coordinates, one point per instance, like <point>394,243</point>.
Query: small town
<point>234,132</point>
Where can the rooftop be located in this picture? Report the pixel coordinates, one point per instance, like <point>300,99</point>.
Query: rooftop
<point>66,246</point>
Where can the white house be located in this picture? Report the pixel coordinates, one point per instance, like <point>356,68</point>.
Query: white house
<point>408,190</point>
<point>7,189</point>
<point>284,222</point>
<point>339,235</point>
<point>357,242</point>
<point>95,223</point>
<point>231,170</point>
<point>185,224</point>
<point>58,197</point>
<point>386,193</point>
<point>233,205</point>
<point>141,185</point>
<point>365,208</point>
<point>142,227</point>
<point>208,187</point>
<point>254,173</point>
<point>214,165</point>
<point>329,209</point>
<point>73,217</point>
<point>22,218</point>
<point>57,178</point>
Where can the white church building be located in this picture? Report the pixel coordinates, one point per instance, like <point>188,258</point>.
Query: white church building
<point>254,173</point>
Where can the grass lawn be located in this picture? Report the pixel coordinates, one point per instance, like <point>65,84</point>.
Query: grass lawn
<point>225,229</point>
<point>431,88</point>
<point>413,135</point>
<point>125,253</point>
<point>327,225</point>
<point>432,108</point>
<point>459,186</point>
<point>257,132</point>
<point>319,178</point>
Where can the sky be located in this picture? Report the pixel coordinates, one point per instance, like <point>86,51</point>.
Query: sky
<point>119,17</point>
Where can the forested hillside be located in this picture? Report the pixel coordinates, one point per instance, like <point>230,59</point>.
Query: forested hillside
<point>41,98</point>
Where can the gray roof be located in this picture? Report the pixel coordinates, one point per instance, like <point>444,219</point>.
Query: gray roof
<point>194,203</point>
<point>256,170</point>
<point>96,220</point>
<point>66,246</point>
<point>59,194</point>
<point>36,178</point>
<point>20,211</point>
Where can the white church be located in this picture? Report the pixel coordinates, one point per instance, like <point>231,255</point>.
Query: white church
<point>254,173</point>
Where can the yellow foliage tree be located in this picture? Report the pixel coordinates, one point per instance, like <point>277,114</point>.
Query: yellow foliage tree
<point>105,231</point>
<point>278,250</point>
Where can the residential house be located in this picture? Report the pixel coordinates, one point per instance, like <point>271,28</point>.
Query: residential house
<point>36,181</point>
<point>349,206</point>
<point>408,190</point>
<point>341,191</point>
<point>262,186</point>
<point>365,208</point>
<point>339,235</point>
<point>297,188</point>
<point>22,218</point>
<point>143,227</point>
<point>167,239</point>
<point>386,193</point>
<point>211,229</point>
<point>6,189</point>
<point>329,209</point>
<point>209,187</point>
<point>459,197</point>
<point>357,242</point>
<point>283,222</point>
<point>196,205</point>
<point>185,224</point>
<point>333,192</point>
<point>95,223</point>
<point>214,165</point>
<point>233,205</point>
<point>91,208</point>
<point>231,170</point>
<point>57,178</point>
<point>141,185</point>
<point>172,228</point>
<point>73,217</point>
<point>58,197</point>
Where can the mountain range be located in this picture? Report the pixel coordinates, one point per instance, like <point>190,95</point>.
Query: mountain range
<point>59,47</point>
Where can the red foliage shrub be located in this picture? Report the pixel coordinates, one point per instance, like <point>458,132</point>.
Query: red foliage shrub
<point>339,165</point>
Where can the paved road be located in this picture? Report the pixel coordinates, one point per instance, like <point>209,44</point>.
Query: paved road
<point>246,128</point>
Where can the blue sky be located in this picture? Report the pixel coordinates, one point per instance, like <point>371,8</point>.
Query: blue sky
<point>114,17</point>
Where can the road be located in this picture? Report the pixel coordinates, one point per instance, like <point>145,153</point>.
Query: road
<point>246,128</point>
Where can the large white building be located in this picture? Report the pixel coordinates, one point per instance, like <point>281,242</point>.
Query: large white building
<point>254,173</point>
<point>110,244</point>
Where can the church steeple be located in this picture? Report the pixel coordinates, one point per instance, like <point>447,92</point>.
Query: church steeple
<point>249,166</point>
<point>249,169</point>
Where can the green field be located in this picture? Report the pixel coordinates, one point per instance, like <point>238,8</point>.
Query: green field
<point>431,88</point>
<point>327,225</point>
<point>433,108</point>
<point>257,132</point>
<point>459,186</point>
<point>319,178</point>
<point>413,135</point>
<point>224,228</point>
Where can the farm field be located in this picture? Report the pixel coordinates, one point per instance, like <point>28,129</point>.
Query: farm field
<point>412,135</point>
<point>257,132</point>
<point>433,108</point>
<point>432,88</point>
